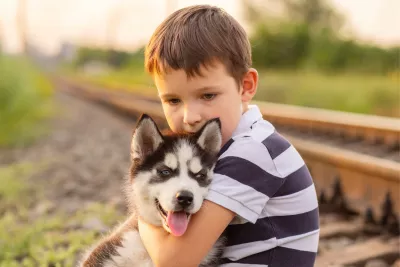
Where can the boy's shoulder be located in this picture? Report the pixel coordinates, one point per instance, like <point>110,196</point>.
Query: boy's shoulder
<point>259,143</point>
<point>252,166</point>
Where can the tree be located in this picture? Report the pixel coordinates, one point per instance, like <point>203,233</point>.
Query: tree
<point>316,14</point>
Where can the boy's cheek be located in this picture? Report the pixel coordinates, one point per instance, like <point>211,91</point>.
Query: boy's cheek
<point>173,123</point>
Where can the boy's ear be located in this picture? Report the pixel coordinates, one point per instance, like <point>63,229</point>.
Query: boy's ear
<point>249,85</point>
<point>209,137</point>
<point>146,138</point>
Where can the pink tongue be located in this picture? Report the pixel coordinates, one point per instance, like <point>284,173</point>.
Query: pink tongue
<point>177,222</point>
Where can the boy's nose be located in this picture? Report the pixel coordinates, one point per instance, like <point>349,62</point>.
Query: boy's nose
<point>191,117</point>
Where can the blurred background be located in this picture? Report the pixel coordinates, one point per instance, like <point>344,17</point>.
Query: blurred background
<point>332,54</point>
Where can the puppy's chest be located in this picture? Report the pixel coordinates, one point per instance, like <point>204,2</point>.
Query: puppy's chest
<point>131,252</point>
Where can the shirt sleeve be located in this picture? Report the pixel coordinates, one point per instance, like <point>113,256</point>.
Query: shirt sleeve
<point>245,177</point>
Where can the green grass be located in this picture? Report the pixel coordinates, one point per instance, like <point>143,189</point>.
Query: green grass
<point>45,239</point>
<point>128,80</point>
<point>14,187</point>
<point>25,100</point>
<point>351,92</point>
<point>357,93</point>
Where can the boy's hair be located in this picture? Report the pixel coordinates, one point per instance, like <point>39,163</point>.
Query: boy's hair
<point>198,35</point>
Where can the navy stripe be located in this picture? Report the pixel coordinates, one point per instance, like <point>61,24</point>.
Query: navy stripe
<point>249,174</point>
<point>298,224</point>
<point>295,182</point>
<point>276,144</point>
<point>288,257</point>
<point>279,257</point>
<point>248,232</point>
<point>264,257</point>
<point>225,147</point>
<point>275,226</point>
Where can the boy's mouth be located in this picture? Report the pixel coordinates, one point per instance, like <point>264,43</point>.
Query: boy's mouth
<point>191,130</point>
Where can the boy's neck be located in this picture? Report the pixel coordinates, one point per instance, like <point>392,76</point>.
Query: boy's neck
<point>245,107</point>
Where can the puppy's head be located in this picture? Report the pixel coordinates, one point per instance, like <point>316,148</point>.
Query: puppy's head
<point>171,173</point>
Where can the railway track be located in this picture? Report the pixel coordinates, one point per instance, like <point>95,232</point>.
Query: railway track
<point>354,160</point>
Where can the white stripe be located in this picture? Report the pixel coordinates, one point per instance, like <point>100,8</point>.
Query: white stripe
<point>288,162</point>
<point>240,251</point>
<point>296,203</point>
<point>242,265</point>
<point>303,242</point>
<point>256,153</point>
<point>241,199</point>
<point>261,130</point>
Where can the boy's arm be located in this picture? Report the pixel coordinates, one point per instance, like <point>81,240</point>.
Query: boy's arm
<point>189,250</point>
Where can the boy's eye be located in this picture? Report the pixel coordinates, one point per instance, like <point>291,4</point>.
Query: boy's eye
<point>208,96</point>
<point>173,101</point>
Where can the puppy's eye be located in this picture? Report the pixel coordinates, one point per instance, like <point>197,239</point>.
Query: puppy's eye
<point>164,172</point>
<point>200,175</point>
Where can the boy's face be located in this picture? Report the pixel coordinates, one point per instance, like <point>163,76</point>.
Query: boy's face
<point>189,103</point>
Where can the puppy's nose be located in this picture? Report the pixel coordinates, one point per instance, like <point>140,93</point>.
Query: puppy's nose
<point>184,198</point>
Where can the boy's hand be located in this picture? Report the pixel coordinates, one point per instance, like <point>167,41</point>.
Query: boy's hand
<point>188,250</point>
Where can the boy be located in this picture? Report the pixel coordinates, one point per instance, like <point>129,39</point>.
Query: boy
<point>262,193</point>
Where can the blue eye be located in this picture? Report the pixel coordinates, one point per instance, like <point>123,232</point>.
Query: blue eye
<point>200,175</point>
<point>164,172</point>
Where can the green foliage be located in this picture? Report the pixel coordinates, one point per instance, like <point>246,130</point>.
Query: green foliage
<point>316,14</point>
<point>25,99</point>
<point>114,58</point>
<point>332,54</point>
<point>31,237</point>
<point>307,36</point>
<point>295,47</point>
<point>286,48</point>
<point>372,94</point>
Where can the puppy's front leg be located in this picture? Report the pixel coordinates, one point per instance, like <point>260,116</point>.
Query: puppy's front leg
<point>101,255</point>
<point>123,248</point>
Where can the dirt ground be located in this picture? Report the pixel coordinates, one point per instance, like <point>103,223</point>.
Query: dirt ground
<point>79,168</point>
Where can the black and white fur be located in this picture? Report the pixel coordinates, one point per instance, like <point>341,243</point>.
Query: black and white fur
<point>170,172</point>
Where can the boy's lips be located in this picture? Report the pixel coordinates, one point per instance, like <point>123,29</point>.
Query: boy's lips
<point>191,131</point>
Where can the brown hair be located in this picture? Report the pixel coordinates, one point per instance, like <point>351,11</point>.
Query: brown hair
<point>195,36</point>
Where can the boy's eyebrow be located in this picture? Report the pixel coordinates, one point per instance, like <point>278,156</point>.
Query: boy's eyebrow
<point>205,88</point>
<point>166,95</point>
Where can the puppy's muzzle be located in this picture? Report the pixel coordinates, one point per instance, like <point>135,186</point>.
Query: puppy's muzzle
<point>184,199</point>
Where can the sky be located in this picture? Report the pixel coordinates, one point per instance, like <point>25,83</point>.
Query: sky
<point>50,22</point>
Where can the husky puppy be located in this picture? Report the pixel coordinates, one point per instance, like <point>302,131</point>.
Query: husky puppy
<point>168,181</point>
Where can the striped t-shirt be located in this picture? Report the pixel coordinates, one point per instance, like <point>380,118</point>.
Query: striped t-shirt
<point>262,178</point>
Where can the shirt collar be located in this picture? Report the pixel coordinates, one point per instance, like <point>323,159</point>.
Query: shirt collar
<point>248,118</point>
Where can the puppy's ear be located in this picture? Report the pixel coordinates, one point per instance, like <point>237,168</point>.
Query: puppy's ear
<point>209,137</point>
<point>146,138</point>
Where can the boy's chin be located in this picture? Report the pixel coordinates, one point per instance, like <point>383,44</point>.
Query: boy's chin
<point>180,131</point>
<point>191,131</point>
